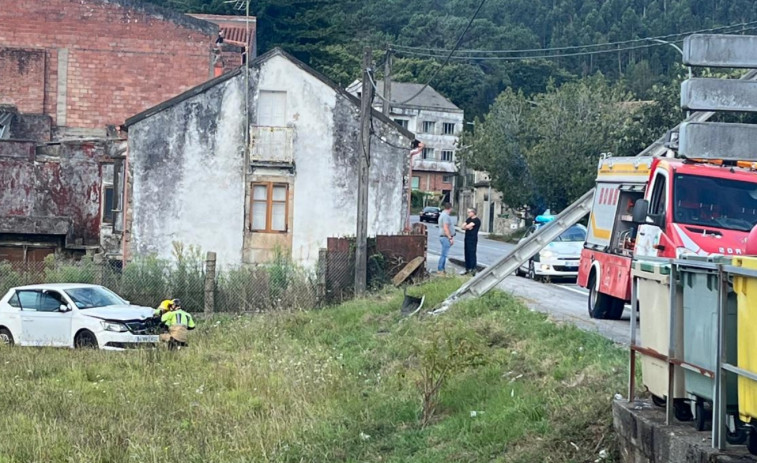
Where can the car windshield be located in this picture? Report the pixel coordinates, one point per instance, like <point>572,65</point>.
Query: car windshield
<point>714,202</point>
<point>431,209</point>
<point>93,296</point>
<point>574,233</point>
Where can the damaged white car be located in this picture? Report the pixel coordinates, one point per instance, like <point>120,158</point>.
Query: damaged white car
<point>74,315</point>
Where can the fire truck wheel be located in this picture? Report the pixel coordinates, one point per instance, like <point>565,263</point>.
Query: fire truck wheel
<point>601,306</point>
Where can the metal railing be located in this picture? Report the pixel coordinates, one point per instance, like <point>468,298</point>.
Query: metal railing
<point>674,358</point>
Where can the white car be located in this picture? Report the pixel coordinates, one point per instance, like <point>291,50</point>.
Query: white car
<point>560,258</point>
<point>74,315</point>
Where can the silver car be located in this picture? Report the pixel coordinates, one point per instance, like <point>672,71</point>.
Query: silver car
<point>559,259</point>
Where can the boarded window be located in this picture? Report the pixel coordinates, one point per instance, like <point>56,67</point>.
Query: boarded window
<point>270,206</point>
<point>416,183</point>
<point>272,109</point>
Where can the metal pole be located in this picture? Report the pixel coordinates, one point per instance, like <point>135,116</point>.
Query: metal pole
<point>632,364</point>
<point>672,341</point>
<point>364,154</point>
<point>719,402</point>
<point>677,49</point>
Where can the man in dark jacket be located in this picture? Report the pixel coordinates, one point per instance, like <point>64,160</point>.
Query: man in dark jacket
<point>472,224</point>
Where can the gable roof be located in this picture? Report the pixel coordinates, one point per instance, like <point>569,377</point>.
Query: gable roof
<point>233,27</point>
<point>402,91</point>
<point>255,63</point>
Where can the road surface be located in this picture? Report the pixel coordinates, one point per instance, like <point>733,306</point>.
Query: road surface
<point>563,302</point>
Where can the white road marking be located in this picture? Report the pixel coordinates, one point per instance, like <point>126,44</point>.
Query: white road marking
<point>580,291</point>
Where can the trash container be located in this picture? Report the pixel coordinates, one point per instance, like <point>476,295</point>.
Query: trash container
<point>653,293</point>
<point>746,319</point>
<point>700,332</point>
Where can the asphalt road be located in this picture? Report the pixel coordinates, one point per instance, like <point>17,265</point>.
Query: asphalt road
<point>563,302</point>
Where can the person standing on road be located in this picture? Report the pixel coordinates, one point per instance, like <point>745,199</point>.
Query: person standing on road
<point>446,234</point>
<point>472,224</point>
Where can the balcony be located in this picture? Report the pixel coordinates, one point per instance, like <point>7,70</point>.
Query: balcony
<point>271,145</point>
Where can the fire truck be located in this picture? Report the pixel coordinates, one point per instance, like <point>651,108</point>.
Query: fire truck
<point>661,207</point>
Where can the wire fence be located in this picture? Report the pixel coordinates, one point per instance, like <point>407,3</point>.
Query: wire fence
<point>274,285</point>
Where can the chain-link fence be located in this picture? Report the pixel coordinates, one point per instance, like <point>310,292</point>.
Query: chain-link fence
<point>278,284</point>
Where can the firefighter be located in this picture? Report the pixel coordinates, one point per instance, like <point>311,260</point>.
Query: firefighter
<point>178,322</point>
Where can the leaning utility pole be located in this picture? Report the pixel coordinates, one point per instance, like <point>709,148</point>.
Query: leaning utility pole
<point>364,154</point>
<point>387,108</point>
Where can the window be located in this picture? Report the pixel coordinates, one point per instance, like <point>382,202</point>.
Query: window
<point>447,156</point>
<point>402,122</point>
<point>270,203</point>
<point>447,179</point>
<point>13,301</point>
<point>448,128</point>
<point>40,301</point>
<point>416,183</point>
<point>428,126</point>
<point>272,109</point>
<point>428,153</point>
<point>659,195</point>
<point>108,203</point>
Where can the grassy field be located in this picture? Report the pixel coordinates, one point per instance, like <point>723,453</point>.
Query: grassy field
<point>347,383</point>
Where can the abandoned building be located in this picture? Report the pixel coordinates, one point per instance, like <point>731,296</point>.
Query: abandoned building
<point>437,122</point>
<point>193,181</point>
<point>71,71</point>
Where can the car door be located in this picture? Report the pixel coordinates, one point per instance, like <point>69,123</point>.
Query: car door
<point>42,322</point>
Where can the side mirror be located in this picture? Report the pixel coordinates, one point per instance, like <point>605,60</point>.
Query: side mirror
<point>640,208</point>
<point>64,308</point>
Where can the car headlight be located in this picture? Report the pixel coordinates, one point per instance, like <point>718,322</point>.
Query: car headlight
<point>113,326</point>
<point>546,254</point>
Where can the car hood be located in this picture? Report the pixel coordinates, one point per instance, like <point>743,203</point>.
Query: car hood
<point>566,248</point>
<point>119,312</point>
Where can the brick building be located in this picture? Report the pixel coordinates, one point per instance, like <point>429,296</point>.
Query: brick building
<point>92,63</point>
<point>68,70</point>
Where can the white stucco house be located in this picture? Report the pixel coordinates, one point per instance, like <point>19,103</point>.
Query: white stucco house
<point>437,122</point>
<point>193,181</point>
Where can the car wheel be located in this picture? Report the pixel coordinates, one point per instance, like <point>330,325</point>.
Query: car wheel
<point>85,340</point>
<point>531,274</point>
<point>6,338</point>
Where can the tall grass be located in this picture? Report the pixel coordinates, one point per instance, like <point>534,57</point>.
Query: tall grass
<point>339,384</point>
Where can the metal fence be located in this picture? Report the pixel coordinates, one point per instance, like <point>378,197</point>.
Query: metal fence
<point>278,284</point>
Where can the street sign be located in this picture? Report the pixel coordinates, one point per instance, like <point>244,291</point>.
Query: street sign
<point>719,50</point>
<point>717,140</point>
<point>719,95</point>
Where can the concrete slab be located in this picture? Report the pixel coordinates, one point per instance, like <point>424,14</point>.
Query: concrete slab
<point>719,95</point>
<point>714,140</point>
<point>720,50</point>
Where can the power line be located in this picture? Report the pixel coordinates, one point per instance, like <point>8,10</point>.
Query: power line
<point>401,48</point>
<point>446,61</point>
<point>554,55</point>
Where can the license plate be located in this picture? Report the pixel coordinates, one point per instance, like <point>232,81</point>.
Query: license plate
<point>571,265</point>
<point>146,338</point>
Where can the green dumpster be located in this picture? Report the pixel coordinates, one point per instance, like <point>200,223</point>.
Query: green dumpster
<point>653,293</point>
<point>700,333</point>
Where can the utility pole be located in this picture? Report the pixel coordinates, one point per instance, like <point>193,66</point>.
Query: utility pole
<point>361,245</point>
<point>387,108</point>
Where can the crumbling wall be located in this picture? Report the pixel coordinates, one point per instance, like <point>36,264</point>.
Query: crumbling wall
<point>52,190</point>
<point>186,165</point>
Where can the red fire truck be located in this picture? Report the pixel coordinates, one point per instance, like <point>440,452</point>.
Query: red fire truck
<point>661,207</point>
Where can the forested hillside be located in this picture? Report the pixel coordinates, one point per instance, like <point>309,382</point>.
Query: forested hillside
<point>330,34</point>
<point>551,83</point>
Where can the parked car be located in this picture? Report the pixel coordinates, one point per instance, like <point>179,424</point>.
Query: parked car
<point>74,315</point>
<point>430,214</point>
<point>560,258</point>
